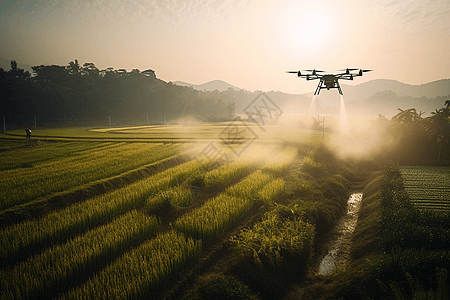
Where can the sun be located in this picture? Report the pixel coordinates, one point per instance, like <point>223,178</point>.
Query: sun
<point>308,28</point>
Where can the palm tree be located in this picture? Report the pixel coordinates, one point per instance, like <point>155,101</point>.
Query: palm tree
<point>440,126</point>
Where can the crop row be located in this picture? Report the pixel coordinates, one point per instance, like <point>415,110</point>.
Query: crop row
<point>227,174</point>
<point>281,163</point>
<point>23,185</point>
<point>50,152</point>
<point>25,238</point>
<point>215,216</point>
<point>56,268</point>
<point>270,192</point>
<point>218,178</point>
<point>141,271</point>
<point>427,187</point>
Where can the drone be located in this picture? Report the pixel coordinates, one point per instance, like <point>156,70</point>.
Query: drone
<point>329,81</point>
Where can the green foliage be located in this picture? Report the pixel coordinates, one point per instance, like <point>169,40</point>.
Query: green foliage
<point>428,187</point>
<point>312,167</point>
<point>25,238</point>
<point>142,271</point>
<point>249,186</point>
<point>417,292</point>
<point>405,225</point>
<point>225,175</point>
<point>220,287</point>
<point>55,269</point>
<point>410,139</point>
<point>274,242</point>
<point>416,242</point>
<point>175,197</point>
<point>214,217</point>
<point>366,240</point>
<point>84,92</point>
<point>270,192</point>
<point>40,179</point>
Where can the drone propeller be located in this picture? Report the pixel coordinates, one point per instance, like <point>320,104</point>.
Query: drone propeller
<point>314,70</point>
<point>295,72</point>
<point>347,71</point>
<point>361,71</point>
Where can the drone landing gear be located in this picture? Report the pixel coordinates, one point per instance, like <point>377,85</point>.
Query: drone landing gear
<point>318,89</point>
<point>339,88</point>
<point>321,85</point>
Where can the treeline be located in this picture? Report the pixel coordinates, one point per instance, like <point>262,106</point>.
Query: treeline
<point>410,139</point>
<point>85,92</point>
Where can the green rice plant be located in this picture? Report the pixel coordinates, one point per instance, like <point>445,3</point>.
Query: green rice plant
<point>418,291</point>
<point>270,192</point>
<point>427,187</point>
<point>281,163</point>
<point>177,197</point>
<point>49,152</point>
<point>25,184</point>
<point>142,271</point>
<point>22,239</point>
<point>214,217</point>
<point>219,286</point>
<point>248,188</point>
<point>227,174</point>
<point>273,241</point>
<point>310,165</point>
<point>406,226</point>
<point>51,271</point>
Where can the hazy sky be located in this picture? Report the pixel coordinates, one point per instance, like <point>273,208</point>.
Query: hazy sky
<point>247,43</point>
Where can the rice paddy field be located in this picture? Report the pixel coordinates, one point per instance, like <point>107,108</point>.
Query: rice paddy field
<point>143,212</point>
<point>194,132</point>
<point>428,187</point>
<point>117,241</point>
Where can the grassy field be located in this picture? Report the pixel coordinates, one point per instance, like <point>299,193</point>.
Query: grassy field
<point>122,213</point>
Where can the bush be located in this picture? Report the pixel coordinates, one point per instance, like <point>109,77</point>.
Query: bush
<point>274,242</point>
<point>312,167</point>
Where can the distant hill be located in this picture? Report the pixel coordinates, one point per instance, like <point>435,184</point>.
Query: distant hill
<point>365,90</point>
<point>383,96</point>
<point>5,64</point>
<point>209,86</point>
<point>431,90</point>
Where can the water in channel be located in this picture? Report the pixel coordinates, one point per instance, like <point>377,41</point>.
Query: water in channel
<point>339,246</point>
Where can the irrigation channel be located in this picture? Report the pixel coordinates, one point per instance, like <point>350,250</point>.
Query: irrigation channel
<point>340,240</point>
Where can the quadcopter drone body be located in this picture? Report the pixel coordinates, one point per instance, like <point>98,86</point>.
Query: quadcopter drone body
<point>329,81</point>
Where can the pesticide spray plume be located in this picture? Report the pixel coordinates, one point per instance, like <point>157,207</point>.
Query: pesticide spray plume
<point>343,117</point>
<point>362,140</point>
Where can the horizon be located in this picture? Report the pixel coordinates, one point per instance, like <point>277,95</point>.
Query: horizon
<point>249,45</point>
<point>184,83</point>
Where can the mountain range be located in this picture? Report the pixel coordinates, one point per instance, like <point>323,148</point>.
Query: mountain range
<point>379,96</point>
<point>209,86</point>
<point>382,96</point>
